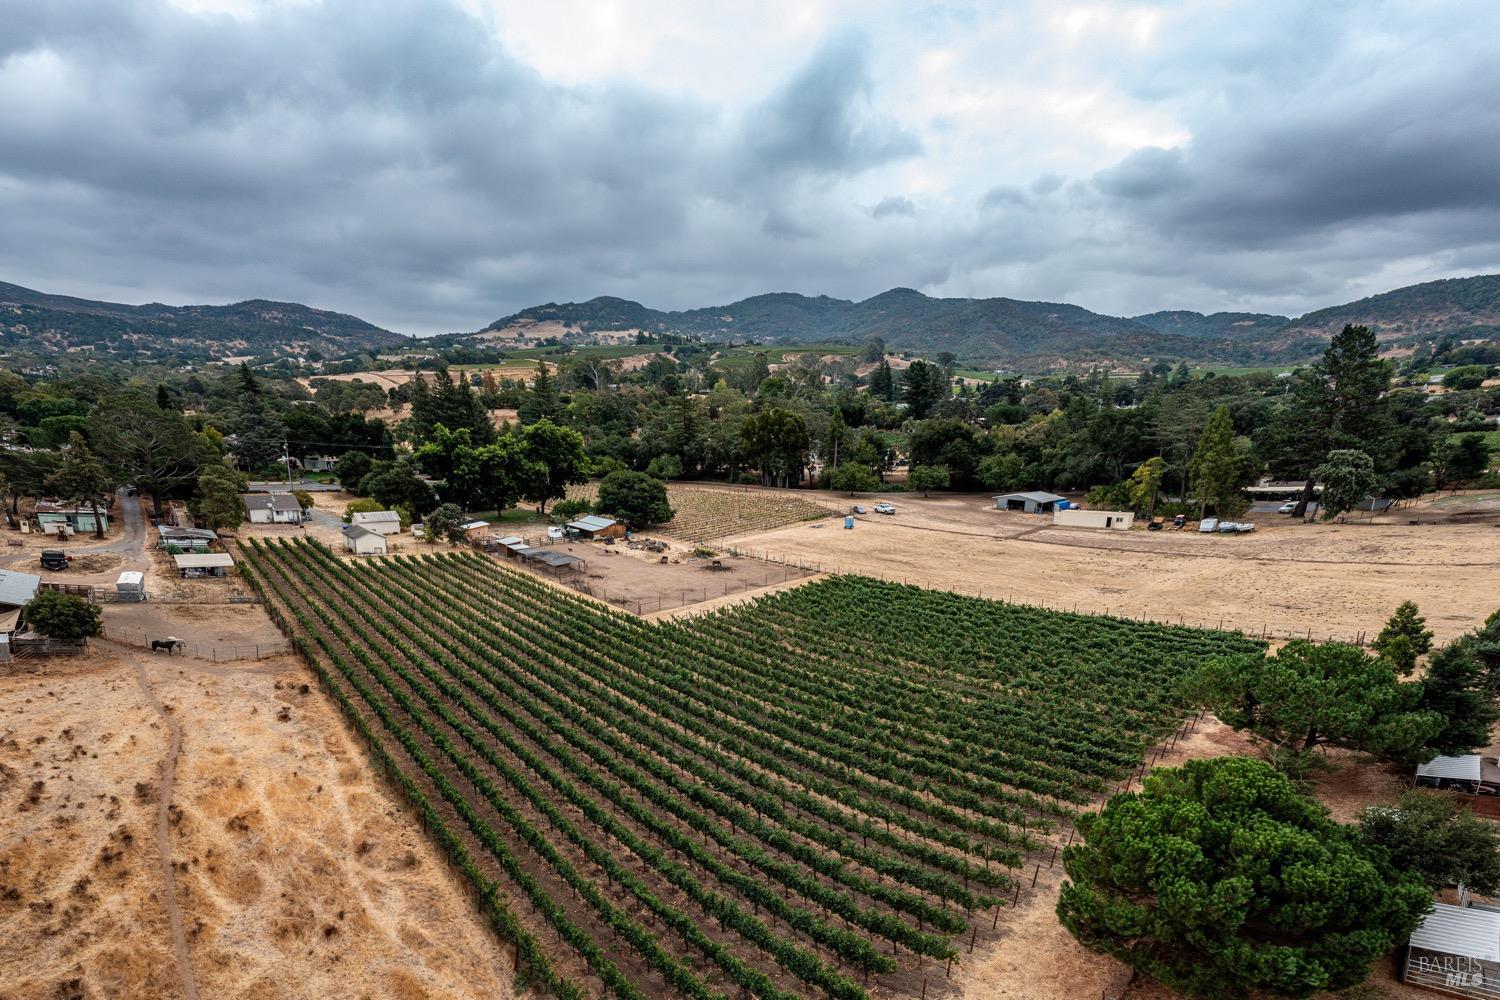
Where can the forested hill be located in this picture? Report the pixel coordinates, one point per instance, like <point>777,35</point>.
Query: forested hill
<point>37,323</point>
<point>1012,330</point>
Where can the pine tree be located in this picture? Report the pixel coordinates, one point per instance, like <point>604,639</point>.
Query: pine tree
<point>82,478</point>
<point>1216,465</point>
<point>1454,687</point>
<point>541,401</point>
<point>882,382</point>
<point>1405,638</point>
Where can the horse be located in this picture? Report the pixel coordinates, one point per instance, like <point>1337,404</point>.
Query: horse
<point>171,644</point>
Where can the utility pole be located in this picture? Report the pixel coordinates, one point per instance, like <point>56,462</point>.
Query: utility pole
<point>286,458</point>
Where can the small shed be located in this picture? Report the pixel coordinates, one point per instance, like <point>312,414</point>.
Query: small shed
<point>1455,950</point>
<point>551,559</point>
<point>15,590</point>
<point>198,564</point>
<point>192,539</point>
<point>1077,517</point>
<point>474,529</point>
<point>596,526</point>
<point>364,542</point>
<point>272,508</point>
<point>1035,502</point>
<point>50,516</point>
<point>131,586</point>
<point>382,522</point>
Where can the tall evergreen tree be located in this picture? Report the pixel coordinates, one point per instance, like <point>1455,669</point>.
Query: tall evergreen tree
<point>882,382</point>
<point>541,401</point>
<point>1405,638</point>
<point>1217,466</point>
<point>82,478</point>
<point>1338,403</point>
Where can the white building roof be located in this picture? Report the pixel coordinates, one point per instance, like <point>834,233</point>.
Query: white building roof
<point>270,501</point>
<point>376,517</point>
<point>1036,496</point>
<point>18,588</point>
<point>475,524</point>
<point>591,522</point>
<point>131,578</point>
<point>203,560</point>
<point>355,531</point>
<point>1466,768</point>
<point>1459,930</point>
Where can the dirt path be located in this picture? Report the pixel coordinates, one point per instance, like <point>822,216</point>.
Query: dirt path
<point>164,833</point>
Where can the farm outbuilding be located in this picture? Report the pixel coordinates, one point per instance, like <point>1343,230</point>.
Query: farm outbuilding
<point>15,590</point>
<point>1035,502</point>
<point>551,559</point>
<point>193,539</point>
<point>1077,517</point>
<point>595,526</point>
<point>382,522</point>
<point>363,541</point>
<point>1470,773</point>
<point>473,529</point>
<point>73,520</point>
<point>1455,950</point>
<point>272,508</point>
<point>195,564</point>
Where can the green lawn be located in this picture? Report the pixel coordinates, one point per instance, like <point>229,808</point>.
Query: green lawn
<point>514,516</point>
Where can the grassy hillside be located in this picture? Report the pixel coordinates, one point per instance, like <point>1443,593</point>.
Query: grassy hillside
<point>34,322</point>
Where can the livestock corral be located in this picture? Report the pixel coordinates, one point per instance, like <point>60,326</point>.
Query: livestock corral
<point>836,789</point>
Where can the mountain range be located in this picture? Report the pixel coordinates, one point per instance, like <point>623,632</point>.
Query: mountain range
<point>992,330</point>
<point>36,323</point>
<point>1014,331</point>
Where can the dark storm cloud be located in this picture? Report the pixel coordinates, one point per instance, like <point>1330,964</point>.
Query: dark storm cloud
<point>392,159</point>
<point>892,205</point>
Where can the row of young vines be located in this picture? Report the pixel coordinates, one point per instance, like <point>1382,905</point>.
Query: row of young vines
<point>808,795</point>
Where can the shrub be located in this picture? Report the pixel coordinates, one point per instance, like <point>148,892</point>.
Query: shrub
<point>62,616</point>
<point>361,506</point>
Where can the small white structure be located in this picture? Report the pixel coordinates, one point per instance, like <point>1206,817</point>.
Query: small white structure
<point>272,508</point>
<point>364,542</point>
<point>15,590</point>
<point>1076,517</point>
<point>1455,950</point>
<point>474,528</point>
<point>131,586</point>
<point>382,522</point>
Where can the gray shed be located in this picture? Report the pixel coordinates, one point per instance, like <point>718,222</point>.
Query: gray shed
<point>1035,502</point>
<point>1455,950</point>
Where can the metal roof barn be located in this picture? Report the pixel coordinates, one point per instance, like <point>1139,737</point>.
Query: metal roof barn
<point>203,560</point>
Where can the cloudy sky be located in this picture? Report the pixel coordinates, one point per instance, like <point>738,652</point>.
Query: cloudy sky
<point>431,166</point>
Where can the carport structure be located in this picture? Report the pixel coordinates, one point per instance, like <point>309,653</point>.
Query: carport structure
<point>1035,502</point>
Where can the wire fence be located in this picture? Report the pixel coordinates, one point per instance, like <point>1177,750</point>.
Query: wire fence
<point>1264,631</point>
<point>217,652</point>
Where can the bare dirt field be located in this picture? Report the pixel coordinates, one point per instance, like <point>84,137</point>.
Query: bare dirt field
<point>637,580</point>
<point>1333,579</point>
<point>295,875</point>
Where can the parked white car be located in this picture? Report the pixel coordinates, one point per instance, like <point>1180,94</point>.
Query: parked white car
<point>884,508</point>
<point>1287,507</point>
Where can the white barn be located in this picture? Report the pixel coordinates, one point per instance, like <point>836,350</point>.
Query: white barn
<point>382,522</point>
<point>272,508</point>
<point>364,542</point>
<point>1077,517</point>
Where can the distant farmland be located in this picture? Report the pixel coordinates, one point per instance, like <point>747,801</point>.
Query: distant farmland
<point>814,794</point>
